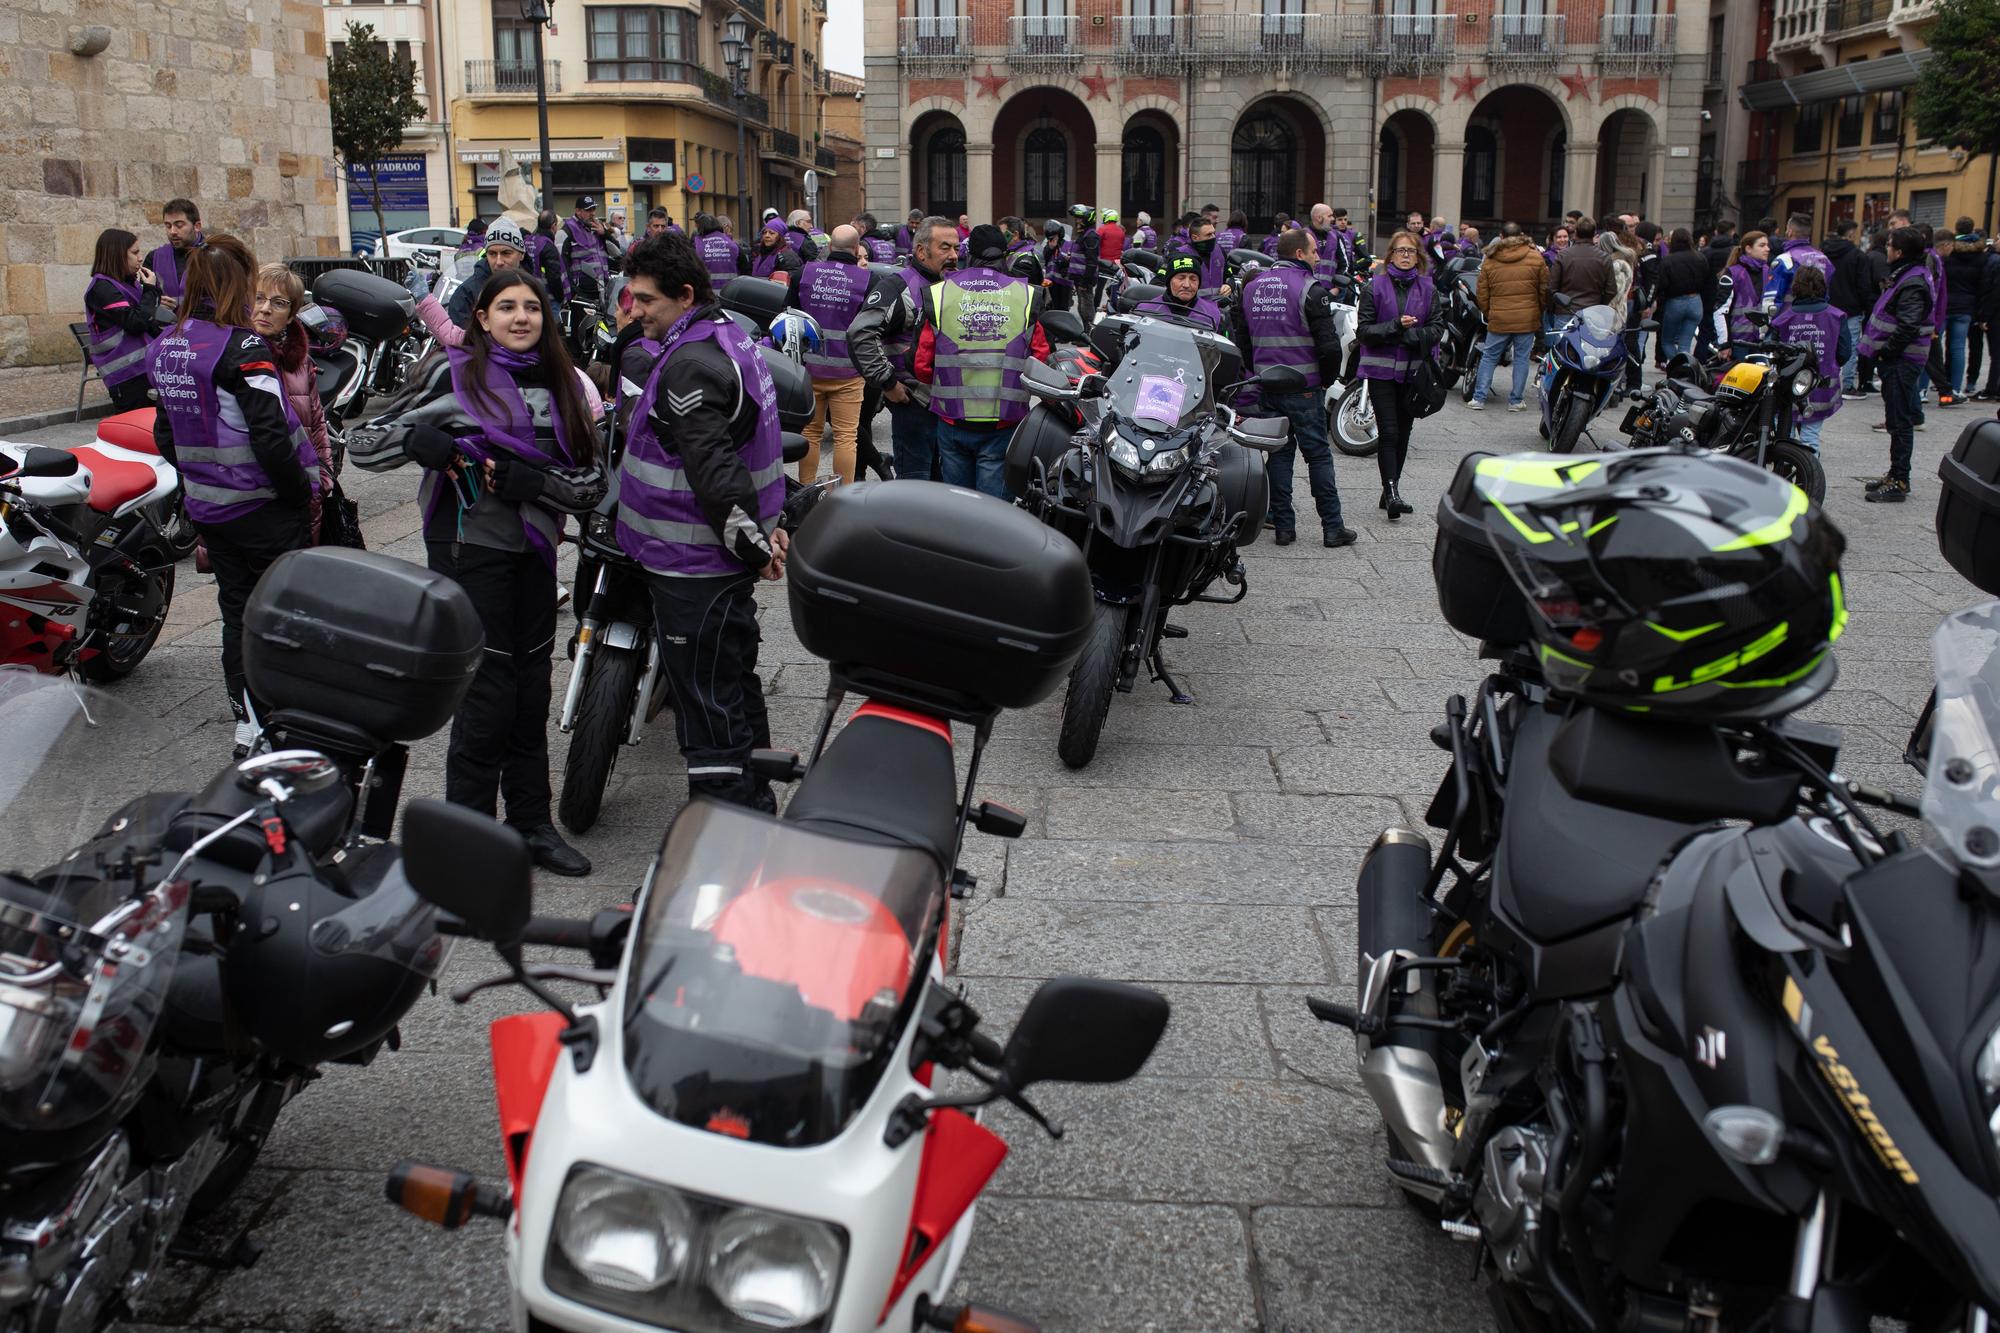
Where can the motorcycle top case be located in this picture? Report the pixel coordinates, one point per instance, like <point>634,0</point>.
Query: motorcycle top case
<point>373,306</point>
<point>1968,512</point>
<point>1474,590</point>
<point>362,638</point>
<point>759,299</point>
<point>795,389</point>
<point>944,589</point>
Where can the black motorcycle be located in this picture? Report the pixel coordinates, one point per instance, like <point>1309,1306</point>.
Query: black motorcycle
<point>368,353</point>
<point>1158,482</point>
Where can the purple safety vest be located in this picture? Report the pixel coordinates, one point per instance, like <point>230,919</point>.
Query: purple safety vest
<point>1058,272</point>
<point>1229,238</point>
<point>1394,361</point>
<point>764,263</point>
<point>718,255</point>
<point>1078,262</point>
<point>1199,307</point>
<point>660,522</point>
<point>220,473</point>
<point>586,251</point>
<point>797,238</point>
<point>832,292</point>
<point>980,383</point>
<point>1274,308</point>
<point>1804,254</point>
<point>1820,330</point>
<point>879,250</point>
<point>1748,275</point>
<point>1881,321</point>
<point>1147,238</point>
<point>898,349</point>
<point>166,265</point>
<point>1214,271</point>
<point>117,352</point>
<point>538,245</point>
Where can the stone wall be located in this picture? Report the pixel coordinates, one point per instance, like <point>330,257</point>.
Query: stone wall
<point>220,101</point>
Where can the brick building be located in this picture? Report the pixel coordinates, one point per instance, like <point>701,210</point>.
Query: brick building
<point>1498,109</point>
<point>841,198</point>
<point>221,101</point>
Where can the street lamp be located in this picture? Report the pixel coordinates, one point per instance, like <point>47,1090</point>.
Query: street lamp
<point>736,55</point>
<point>536,12</point>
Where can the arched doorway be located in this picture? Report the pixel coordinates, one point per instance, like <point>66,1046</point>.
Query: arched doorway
<point>1277,161</point>
<point>1044,155</point>
<point>1404,175</point>
<point>1514,150</point>
<point>1624,163</point>
<point>1149,181</point>
<point>937,164</point>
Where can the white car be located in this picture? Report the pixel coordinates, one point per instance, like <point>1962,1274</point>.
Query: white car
<point>436,243</point>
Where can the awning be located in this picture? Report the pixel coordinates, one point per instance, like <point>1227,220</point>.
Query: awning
<point>1831,85</point>
<point>590,150</point>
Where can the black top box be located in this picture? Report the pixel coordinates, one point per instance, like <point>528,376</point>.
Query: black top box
<point>373,306</point>
<point>1474,590</point>
<point>1968,512</point>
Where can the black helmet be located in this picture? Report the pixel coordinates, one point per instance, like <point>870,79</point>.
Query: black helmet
<point>1080,211</point>
<point>1683,585</point>
<point>1052,228</point>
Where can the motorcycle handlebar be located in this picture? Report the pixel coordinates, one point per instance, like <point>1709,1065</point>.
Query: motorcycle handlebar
<point>557,932</point>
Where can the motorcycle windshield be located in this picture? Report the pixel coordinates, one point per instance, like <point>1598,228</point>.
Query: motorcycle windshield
<point>1962,781</point>
<point>1597,325</point>
<point>1162,384</point>
<point>88,939</point>
<point>770,973</point>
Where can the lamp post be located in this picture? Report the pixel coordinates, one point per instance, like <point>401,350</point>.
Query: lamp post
<point>537,13</point>
<point>736,55</point>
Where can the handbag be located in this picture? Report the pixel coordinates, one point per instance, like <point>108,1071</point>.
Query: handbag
<point>340,520</point>
<point>1430,384</point>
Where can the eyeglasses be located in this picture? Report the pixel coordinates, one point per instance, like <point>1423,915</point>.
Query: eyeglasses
<point>275,302</point>
<point>1404,250</point>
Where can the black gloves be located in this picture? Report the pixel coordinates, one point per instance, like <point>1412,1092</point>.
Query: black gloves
<point>430,447</point>
<point>516,483</point>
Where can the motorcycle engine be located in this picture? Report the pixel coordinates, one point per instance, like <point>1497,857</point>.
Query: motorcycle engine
<point>1509,1199</point>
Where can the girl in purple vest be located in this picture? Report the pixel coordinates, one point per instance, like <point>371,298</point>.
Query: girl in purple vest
<point>1807,320</point>
<point>1401,321</point>
<point>508,448</point>
<point>121,303</point>
<point>247,467</point>
<point>1749,266</point>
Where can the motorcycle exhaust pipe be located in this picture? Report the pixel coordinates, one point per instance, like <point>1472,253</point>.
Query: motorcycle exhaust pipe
<point>1393,913</point>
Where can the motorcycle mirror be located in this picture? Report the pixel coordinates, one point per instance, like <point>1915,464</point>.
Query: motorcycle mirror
<point>471,865</point>
<point>1045,381</point>
<point>1281,379</point>
<point>1084,1030</point>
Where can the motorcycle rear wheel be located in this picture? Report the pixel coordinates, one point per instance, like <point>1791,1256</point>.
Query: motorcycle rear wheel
<point>1800,466</point>
<point>1088,699</point>
<point>602,716</point>
<point>119,658</point>
<point>1471,374</point>
<point>1354,430</point>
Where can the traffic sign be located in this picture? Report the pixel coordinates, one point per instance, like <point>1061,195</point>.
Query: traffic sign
<point>695,185</point>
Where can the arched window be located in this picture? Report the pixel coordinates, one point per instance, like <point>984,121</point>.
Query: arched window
<point>1045,187</point>
<point>1558,159</point>
<point>1389,174</point>
<point>944,172</point>
<point>1145,175</point>
<point>1482,162</point>
<point>1263,176</point>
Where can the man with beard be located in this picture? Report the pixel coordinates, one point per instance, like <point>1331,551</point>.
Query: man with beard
<point>169,262</point>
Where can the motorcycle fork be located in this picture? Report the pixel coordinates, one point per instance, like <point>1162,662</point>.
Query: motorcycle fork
<point>1142,639</point>
<point>642,699</point>
<point>586,636</point>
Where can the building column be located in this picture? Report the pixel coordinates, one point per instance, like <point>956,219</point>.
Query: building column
<point>978,182</point>
<point>1447,181</point>
<point>1656,184</point>
<point>1110,175</point>
<point>1580,174</point>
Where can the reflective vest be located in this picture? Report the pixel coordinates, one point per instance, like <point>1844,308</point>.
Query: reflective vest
<point>1274,308</point>
<point>983,331</point>
<point>117,352</point>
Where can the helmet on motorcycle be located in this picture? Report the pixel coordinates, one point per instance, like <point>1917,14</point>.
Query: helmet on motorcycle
<point>1681,585</point>
<point>326,327</point>
<point>795,333</point>
<point>1052,228</point>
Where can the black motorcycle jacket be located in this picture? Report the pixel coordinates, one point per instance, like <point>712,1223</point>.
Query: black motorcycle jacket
<point>1319,319</point>
<point>705,412</point>
<point>889,310</point>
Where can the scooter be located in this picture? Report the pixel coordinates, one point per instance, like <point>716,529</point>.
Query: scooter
<point>754,1127</point>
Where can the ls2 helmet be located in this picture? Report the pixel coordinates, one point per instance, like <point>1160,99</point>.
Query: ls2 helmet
<point>1686,586</point>
<point>795,333</point>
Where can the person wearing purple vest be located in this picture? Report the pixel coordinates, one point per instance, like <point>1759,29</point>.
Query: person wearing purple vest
<point>1797,251</point>
<point>1144,236</point>
<point>586,251</point>
<point>1285,318</point>
<point>474,239</point>
<point>720,254</point>
<point>121,304</point>
<point>545,256</point>
<point>1401,322</point>
<point>1214,260</point>
<point>701,487</point>
<point>1181,300</point>
<point>504,434</point>
<point>774,257</point>
<point>1350,252</point>
<point>906,235</point>
<point>883,338</point>
<point>1899,334</point>
<point>169,262</point>
<point>831,290</point>
<point>1231,237</point>
<point>1806,319</point>
<point>1747,271</point>
<point>247,467</point>
<point>1054,255</point>
<point>877,245</point>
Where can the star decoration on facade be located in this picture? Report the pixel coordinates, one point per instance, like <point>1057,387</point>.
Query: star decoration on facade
<point>1098,85</point>
<point>990,83</point>
<point>1467,84</point>
<point>1577,83</point>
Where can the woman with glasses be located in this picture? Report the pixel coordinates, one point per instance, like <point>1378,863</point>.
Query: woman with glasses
<point>1401,321</point>
<point>280,297</point>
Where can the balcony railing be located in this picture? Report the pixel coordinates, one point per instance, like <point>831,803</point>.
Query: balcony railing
<point>754,8</point>
<point>1525,40</point>
<point>934,45</point>
<point>1300,41</point>
<point>717,89</point>
<point>1152,45</point>
<point>638,71</point>
<point>1037,41</point>
<point>1844,14</point>
<point>780,143</point>
<point>1635,38</point>
<point>1408,43</point>
<point>824,159</point>
<point>509,76</point>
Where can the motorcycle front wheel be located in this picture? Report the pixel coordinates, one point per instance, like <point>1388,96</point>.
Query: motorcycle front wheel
<point>1798,465</point>
<point>1091,680</point>
<point>1571,416</point>
<point>1354,431</point>
<point>602,716</point>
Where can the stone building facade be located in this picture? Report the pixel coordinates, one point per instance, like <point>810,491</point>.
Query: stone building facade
<point>220,101</point>
<point>845,100</point>
<point>1495,109</point>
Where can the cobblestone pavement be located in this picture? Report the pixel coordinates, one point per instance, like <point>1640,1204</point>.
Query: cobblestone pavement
<point>1209,851</point>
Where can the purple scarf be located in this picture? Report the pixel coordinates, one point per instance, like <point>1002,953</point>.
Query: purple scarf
<point>511,426</point>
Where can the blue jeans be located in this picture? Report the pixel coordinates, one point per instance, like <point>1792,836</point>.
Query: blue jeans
<point>974,456</point>
<point>913,440</point>
<point>1307,414</point>
<point>1849,368</point>
<point>1679,318</point>
<point>1490,351</point>
<point>1809,434</point>
<point>1957,328</point>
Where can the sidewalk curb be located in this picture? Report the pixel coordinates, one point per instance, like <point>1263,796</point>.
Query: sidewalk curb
<point>61,416</point>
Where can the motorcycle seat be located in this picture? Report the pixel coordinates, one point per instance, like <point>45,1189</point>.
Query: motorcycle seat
<point>114,481</point>
<point>317,821</point>
<point>887,778</point>
<point>129,430</point>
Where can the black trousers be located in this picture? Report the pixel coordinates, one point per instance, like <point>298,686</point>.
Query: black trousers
<point>1992,360</point>
<point>500,739</point>
<point>239,552</point>
<point>1391,400</point>
<point>708,653</point>
<point>131,395</point>
<point>867,457</point>
<point>1061,296</point>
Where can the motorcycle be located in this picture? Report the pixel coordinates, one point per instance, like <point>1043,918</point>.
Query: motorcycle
<point>1160,485</point>
<point>358,330</point>
<point>1751,412</point>
<point>133,431</point>
<point>181,971</point>
<point>1464,322</point>
<point>1662,1027</point>
<point>754,1126</point>
<point>86,570</point>
<point>1584,370</point>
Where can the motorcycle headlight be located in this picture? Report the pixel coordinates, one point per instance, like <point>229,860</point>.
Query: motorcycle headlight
<point>1801,386</point>
<point>773,1271</point>
<point>1125,456</point>
<point>1167,460</point>
<point>621,1233</point>
<point>1590,360</point>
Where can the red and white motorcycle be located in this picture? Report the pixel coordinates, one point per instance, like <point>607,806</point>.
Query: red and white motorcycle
<point>750,1130</point>
<point>86,567</point>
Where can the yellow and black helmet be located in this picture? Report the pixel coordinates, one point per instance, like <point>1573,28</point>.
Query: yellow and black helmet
<point>1685,585</point>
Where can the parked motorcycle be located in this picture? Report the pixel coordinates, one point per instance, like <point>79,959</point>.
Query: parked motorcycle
<point>133,431</point>
<point>1161,487</point>
<point>86,570</point>
<point>1464,323</point>
<point>1584,370</point>
<point>359,332</point>
<point>1670,1027</point>
<point>180,971</point>
<point>753,1128</point>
